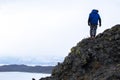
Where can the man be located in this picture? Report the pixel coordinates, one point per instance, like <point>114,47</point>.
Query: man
<point>93,19</point>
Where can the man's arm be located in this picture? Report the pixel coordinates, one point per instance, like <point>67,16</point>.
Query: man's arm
<point>89,21</point>
<point>99,21</point>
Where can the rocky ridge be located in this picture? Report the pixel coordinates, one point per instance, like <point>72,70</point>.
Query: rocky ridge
<point>97,59</point>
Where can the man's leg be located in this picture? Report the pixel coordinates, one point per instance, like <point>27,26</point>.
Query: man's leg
<point>93,29</point>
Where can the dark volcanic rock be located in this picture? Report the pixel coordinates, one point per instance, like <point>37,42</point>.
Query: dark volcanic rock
<point>97,59</point>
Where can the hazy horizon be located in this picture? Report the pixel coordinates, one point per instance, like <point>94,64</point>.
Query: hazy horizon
<point>43,32</point>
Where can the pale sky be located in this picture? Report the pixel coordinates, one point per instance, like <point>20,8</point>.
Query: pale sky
<point>46,30</point>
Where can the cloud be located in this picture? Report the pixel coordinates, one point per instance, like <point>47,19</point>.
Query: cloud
<point>35,28</point>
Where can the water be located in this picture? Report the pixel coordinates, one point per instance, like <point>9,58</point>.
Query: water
<point>21,76</point>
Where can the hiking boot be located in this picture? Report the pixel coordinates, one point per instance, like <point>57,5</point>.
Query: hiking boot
<point>92,37</point>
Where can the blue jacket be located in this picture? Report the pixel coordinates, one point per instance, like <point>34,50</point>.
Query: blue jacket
<point>94,17</point>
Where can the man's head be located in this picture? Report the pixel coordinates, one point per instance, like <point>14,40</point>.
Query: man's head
<point>95,10</point>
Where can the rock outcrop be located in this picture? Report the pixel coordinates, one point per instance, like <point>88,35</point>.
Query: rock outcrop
<point>92,59</point>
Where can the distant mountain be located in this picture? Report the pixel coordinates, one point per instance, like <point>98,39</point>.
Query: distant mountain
<point>50,61</point>
<point>25,68</point>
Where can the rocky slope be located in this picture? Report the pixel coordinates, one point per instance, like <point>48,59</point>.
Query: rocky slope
<point>97,59</point>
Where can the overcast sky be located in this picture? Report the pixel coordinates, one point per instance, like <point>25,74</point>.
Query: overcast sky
<point>47,29</point>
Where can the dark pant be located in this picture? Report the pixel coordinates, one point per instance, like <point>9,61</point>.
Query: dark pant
<point>93,29</point>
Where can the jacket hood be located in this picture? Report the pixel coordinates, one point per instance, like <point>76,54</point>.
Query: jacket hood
<point>94,11</point>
